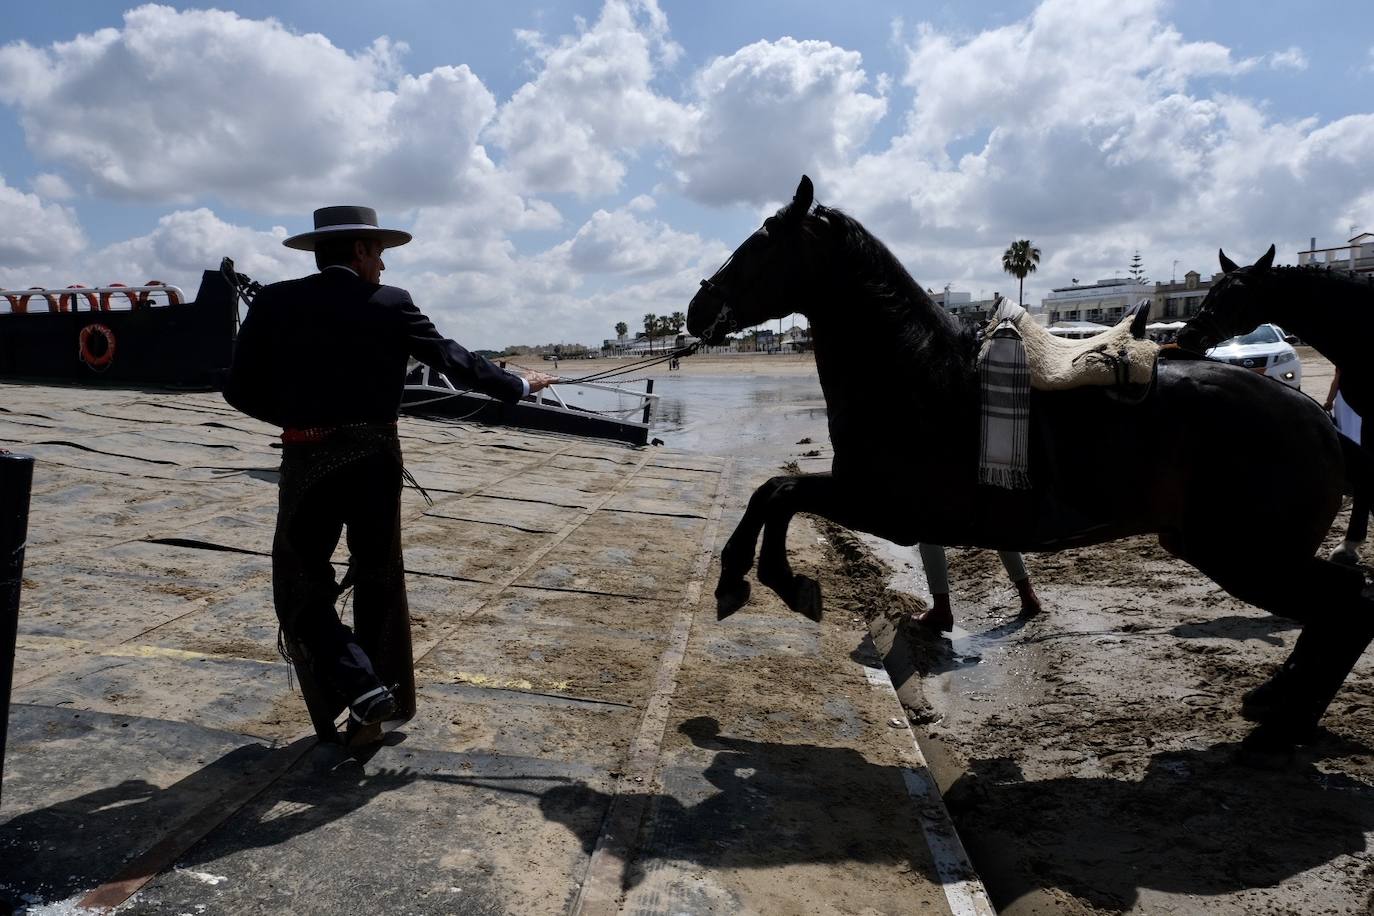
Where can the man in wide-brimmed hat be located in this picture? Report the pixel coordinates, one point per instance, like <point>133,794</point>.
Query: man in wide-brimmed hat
<point>324,357</point>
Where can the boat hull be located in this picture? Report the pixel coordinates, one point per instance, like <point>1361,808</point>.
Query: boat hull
<point>188,344</point>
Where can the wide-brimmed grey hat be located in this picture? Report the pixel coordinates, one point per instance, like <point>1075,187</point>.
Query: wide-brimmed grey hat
<point>351,221</point>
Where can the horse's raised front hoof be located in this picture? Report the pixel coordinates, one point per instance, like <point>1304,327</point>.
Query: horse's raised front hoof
<point>805,598</point>
<point>731,597</point>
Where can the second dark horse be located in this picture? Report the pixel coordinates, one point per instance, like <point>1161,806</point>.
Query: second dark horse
<point>902,399</point>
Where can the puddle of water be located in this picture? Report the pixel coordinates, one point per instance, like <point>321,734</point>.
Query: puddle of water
<point>972,664</point>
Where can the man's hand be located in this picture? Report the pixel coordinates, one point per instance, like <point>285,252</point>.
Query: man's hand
<point>539,380</point>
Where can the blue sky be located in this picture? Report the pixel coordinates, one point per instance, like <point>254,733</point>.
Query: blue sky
<point>568,165</point>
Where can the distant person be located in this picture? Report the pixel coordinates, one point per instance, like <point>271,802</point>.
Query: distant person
<point>1352,427</point>
<point>940,616</point>
<point>324,358</point>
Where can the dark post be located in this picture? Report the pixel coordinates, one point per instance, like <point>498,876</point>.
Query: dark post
<point>16,479</point>
<point>648,404</point>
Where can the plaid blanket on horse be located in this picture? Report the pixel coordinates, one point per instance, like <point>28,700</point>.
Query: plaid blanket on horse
<point>1004,388</point>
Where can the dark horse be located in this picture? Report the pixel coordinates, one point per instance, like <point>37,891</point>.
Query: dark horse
<point>902,399</point>
<point>1329,309</point>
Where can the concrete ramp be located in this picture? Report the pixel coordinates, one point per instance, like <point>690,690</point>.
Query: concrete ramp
<point>589,739</point>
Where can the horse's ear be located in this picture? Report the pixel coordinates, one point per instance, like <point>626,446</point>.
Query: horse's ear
<point>801,201</point>
<point>1227,265</point>
<point>1142,318</point>
<point>1267,261</point>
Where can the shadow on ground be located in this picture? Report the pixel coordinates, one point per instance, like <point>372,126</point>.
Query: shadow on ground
<point>1198,823</point>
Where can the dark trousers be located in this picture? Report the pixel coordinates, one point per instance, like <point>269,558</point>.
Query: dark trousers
<point>324,490</point>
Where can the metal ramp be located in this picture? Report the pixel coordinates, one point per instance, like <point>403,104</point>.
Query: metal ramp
<point>588,739</point>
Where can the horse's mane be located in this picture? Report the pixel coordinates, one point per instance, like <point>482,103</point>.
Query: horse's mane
<point>927,335</point>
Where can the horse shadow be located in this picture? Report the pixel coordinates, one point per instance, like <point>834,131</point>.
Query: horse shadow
<point>759,805</point>
<point>1241,628</point>
<point>1198,823</point>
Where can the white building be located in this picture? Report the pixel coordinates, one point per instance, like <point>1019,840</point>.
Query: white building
<point>1103,302</point>
<point>964,306</point>
<point>1356,254</point>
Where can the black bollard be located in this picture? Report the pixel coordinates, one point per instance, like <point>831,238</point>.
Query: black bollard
<point>16,479</point>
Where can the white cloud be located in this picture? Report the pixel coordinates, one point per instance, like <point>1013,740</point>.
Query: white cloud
<point>177,105</point>
<point>53,187</point>
<point>36,234</point>
<point>1292,59</point>
<point>187,242</point>
<point>592,103</point>
<point>782,107</point>
<point>1045,129</point>
<point>621,243</point>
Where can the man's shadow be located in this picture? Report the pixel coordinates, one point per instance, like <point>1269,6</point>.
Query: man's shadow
<point>1198,823</point>
<point>52,853</point>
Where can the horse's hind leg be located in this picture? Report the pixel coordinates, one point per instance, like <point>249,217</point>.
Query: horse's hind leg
<point>812,493</point>
<point>1338,625</point>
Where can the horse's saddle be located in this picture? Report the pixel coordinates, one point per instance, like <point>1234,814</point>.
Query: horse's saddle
<point>1121,356</point>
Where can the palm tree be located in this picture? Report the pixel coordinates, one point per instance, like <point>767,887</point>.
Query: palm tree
<point>678,322</point>
<point>1018,260</point>
<point>650,326</point>
<point>621,329</point>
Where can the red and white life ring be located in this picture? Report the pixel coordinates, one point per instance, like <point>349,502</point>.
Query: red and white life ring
<point>87,346</point>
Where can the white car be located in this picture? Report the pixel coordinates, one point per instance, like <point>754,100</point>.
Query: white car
<point>1265,350</point>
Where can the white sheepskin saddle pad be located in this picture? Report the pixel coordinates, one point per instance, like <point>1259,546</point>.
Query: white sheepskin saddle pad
<point>1113,357</point>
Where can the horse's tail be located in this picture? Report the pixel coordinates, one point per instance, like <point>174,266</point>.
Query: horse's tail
<point>1359,464</point>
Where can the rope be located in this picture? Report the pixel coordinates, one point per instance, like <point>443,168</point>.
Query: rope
<point>634,366</point>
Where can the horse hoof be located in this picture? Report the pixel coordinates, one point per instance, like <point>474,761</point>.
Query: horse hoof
<point>806,598</point>
<point>1273,743</point>
<point>730,598</point>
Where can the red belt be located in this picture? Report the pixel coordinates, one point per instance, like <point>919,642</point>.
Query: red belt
<point>310,435</point>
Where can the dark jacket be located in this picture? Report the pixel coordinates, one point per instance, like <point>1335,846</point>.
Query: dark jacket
<point>331,349</point>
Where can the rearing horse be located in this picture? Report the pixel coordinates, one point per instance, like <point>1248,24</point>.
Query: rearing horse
<point>902,399</point>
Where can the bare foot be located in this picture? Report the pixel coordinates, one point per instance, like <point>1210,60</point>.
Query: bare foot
<point>1030,604</point>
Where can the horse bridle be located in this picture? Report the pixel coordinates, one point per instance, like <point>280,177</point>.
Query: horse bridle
<point>724,314</point>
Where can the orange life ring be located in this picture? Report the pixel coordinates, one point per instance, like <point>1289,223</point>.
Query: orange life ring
<point>87,352</point>
<point>145,297</point>
<point>66,297</point>
<point>24,301</point>
<point>105,298</point>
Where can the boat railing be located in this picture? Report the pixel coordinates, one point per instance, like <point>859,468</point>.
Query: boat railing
<point>437,385</point>
<point>642,400</point>
<point>114,297</point>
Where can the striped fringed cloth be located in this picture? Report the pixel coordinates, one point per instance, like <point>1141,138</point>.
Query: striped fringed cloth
<point>1004,455</point>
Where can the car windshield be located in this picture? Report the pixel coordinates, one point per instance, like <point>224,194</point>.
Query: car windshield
<point>1263,334</point>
